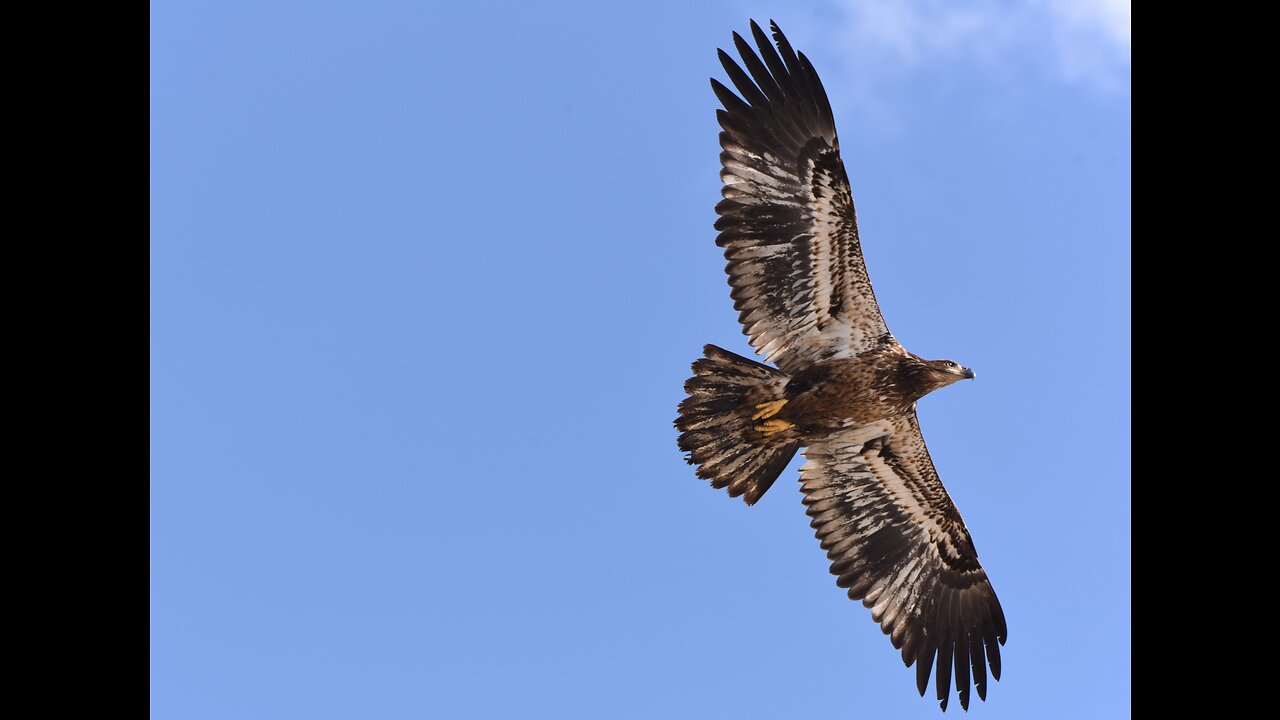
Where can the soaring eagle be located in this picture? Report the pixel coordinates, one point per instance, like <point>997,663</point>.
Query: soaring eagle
<point>844,388</point>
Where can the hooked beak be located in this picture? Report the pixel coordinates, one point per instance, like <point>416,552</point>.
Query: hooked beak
<point>967,373</point>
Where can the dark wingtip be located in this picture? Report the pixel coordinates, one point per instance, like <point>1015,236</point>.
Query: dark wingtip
<point>778,36</point>
<point>924,668</point>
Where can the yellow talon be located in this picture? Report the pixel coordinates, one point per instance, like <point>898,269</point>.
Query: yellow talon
<point>769,409</point>
<point>773,427</point>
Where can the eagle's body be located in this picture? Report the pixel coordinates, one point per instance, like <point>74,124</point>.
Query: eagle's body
<point>831,395</point>
<point>844,388</point>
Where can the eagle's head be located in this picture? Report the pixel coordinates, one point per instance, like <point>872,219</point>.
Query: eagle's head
<point>921,377</point>
<point>948,371</point>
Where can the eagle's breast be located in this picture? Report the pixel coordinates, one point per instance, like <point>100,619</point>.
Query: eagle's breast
<point>849,392</point>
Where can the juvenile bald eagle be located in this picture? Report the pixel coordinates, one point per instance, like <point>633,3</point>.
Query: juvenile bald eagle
<point>844,389</point>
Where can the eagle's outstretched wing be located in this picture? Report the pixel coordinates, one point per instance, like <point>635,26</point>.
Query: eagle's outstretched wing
<point>896,541</point>
<point>787,221</point>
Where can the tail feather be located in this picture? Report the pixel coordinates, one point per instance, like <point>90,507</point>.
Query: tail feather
<point>717,430</point>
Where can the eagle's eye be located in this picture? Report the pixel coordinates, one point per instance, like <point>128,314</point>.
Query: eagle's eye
<point>950,364</point>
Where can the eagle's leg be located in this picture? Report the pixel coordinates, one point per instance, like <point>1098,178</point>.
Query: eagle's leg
<point>769,409</point>
<point>773,427</point>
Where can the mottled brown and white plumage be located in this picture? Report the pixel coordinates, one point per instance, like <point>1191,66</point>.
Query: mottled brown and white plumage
<point>844,389</point>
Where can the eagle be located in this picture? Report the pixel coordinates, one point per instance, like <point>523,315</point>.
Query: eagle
<point>843,389</point>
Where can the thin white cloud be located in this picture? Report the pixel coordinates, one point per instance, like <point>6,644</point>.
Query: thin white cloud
<point>1093,39</point>
<point>915,31</point>
<point>1112,18</point>
<point>1085,42</point>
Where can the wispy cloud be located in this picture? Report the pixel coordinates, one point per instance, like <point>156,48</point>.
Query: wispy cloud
<point>1093,39</point>
<point>1084,42</point>
<point>1114,18</point>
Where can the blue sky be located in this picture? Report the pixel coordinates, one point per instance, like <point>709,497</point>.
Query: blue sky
<point>426,280</point>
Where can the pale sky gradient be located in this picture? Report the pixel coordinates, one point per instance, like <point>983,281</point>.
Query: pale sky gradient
<point>426,280</point>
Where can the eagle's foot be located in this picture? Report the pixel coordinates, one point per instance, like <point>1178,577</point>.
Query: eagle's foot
<point>773,427</point>
<point>769,409</point>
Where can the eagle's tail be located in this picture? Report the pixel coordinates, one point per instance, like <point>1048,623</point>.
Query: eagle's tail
<point>719,429</point>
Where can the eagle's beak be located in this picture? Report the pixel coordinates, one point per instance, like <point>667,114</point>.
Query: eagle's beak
<point>967,373</point>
